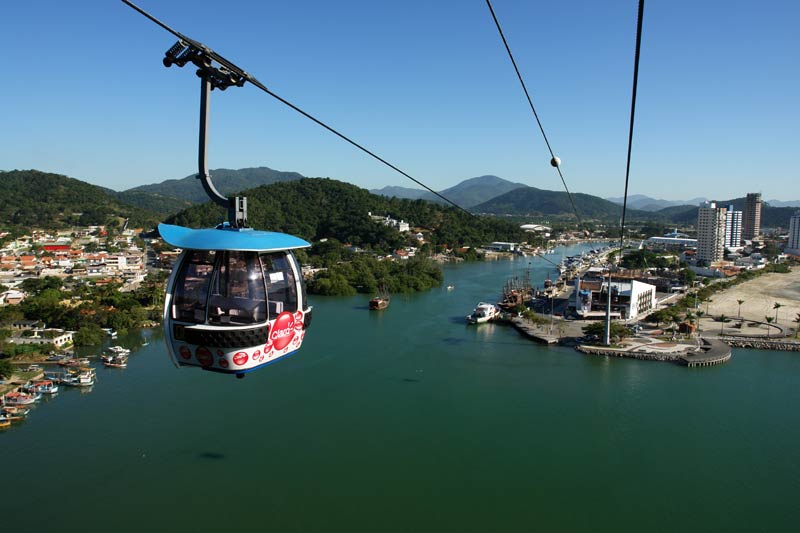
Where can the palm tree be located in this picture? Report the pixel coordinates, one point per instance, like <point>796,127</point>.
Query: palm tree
<point>740,302</point>
<point>769,320</point>
<point>722,319</point>
<point>699,316</point>
<point>776,306</point>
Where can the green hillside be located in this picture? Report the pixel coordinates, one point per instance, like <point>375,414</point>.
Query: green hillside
<point>317,208</point>
<point>30,198</point>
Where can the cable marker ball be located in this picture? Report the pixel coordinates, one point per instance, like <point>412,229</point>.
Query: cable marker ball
<point>556,162</point>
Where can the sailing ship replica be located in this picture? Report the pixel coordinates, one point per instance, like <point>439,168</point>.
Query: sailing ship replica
<point>380,301</point>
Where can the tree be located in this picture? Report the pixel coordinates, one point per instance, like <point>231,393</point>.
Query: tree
<point>722,319</point>
<point>769,320</point>
<point>6,368</point>
<point>739,314</point>
<point>598,328</point>
<point>776,306</point>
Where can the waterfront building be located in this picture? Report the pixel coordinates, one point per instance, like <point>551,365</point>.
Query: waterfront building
<point>711,232</point>
<point>751,226</point>
<point>793,244</point>
<point>629,298</point>
<point>733,228</point>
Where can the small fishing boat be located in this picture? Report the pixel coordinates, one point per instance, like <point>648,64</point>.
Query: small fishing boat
<point>483,312</point>
<point>14,414</point>
<point>115,361</point>
<point>118,350</point>
<point>82,377</point>
<point>4,422</point>
<point>20,398</point>
<point>42,386</point>
<point>451,287</point>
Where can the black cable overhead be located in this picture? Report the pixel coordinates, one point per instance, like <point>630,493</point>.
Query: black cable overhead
<point>230,68</point>
<point>633,112</point>
<point>554,161</point>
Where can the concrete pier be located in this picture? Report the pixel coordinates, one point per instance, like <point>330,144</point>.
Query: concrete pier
<point>527,328</point>
<point>713,352</point>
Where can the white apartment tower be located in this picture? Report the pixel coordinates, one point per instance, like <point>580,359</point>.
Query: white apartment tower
<point>793,246</point>
<point>733,228</point>
<point>711,232</point>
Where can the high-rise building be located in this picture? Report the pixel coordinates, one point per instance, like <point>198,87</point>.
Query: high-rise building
<point>751,227</point>
<point>733,228</point>
<point>711,232</point>
<point>793,246</point>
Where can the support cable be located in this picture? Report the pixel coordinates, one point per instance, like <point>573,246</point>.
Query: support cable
<point>554,161</point>
<point>633,113</point>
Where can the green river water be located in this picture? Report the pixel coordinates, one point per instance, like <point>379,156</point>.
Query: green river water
<point>410,420</point>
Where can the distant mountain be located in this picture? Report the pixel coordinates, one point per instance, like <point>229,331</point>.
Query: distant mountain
<point>530,201</point>
<point>172,195</point>
<point>468,193</point>
<point>779,203</point>
<point>393,191</point>
<point>474,191</point>
<point>645,203</point>
<point>30,198</point>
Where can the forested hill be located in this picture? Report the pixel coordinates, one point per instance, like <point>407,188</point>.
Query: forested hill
<point>30,198</point>
<point>531,201</point>
<point>170,196</point>
<point>317,208</point>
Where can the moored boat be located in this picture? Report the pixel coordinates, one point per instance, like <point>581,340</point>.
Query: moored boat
<point>115,361</point>
<point>4,422</point>
<point>15,398</point>
<point>483,312</point>
<point>83,377</point>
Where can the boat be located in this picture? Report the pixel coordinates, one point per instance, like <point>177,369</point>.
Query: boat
<point>483,312</point>
<point>4,422</point>
<point>45,386</point>
<point>83,377</point>
<point>118,350</point>
<point>14,414</point>
<point>451,287</point>
<point>42,386</point>
<point>20,398</point>
<point>380,301</point>
<point>115,361</point>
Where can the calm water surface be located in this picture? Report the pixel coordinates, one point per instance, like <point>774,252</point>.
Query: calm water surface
<point>408,420</point>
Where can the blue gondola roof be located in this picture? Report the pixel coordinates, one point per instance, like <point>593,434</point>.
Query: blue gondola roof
<point>227,238</point>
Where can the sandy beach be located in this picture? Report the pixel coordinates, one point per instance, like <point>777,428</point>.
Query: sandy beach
<point>760,295</point>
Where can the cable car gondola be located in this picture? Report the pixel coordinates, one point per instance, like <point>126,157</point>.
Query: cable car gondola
<point>235,300</point>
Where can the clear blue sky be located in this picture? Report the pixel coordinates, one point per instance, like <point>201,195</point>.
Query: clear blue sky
<point>425,84</point>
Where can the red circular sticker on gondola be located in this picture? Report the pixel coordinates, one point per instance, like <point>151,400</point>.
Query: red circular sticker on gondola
<point>298,320</point>
<point>240,358</point>
<point>204,356</point>
<point>223,363</point>
<point>185,352</point>
<point>282,331</point>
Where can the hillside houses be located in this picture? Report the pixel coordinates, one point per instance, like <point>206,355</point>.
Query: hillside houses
<point>82,253</point>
